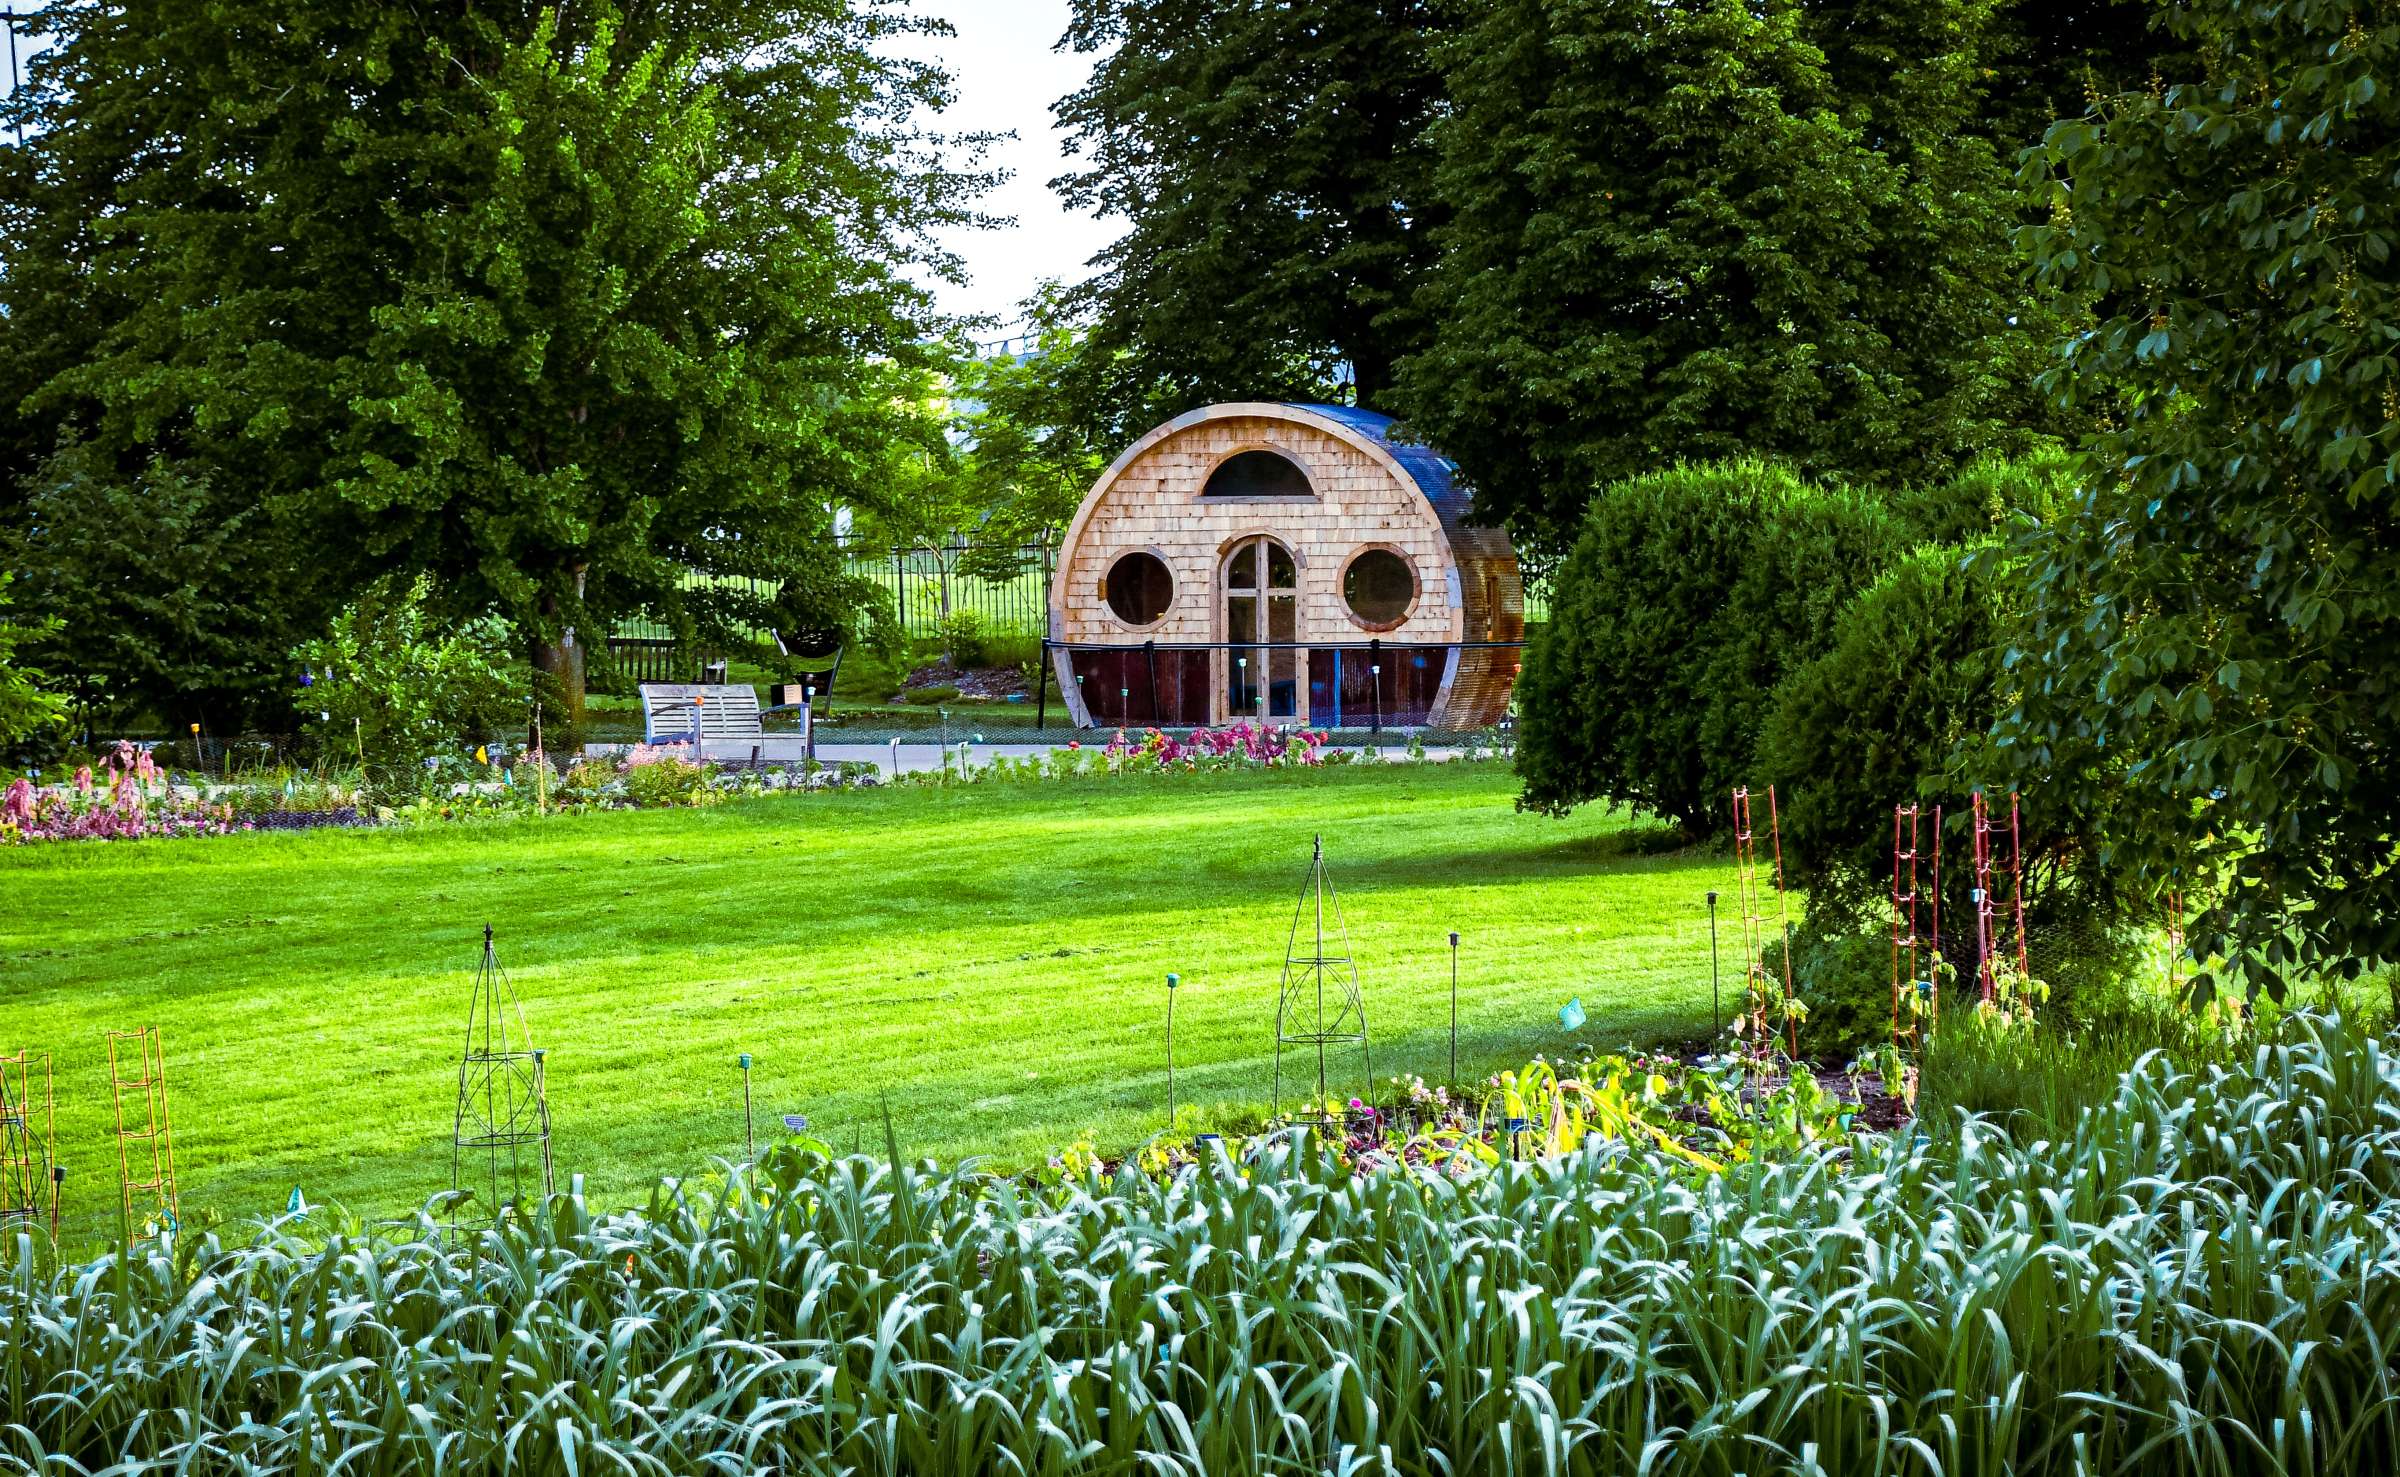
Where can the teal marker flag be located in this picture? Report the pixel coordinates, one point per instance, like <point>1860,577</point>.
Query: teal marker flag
<point>296,1205</point>
<point>1570,1015</point>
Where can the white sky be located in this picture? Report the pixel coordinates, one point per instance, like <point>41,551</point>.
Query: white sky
<point>1007,77</point>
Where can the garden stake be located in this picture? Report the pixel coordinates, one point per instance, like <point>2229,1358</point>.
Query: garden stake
<point>749,1140</point>
<point>1453,1007</point>
<point>1172,981</point>
<point>1716,1008</point>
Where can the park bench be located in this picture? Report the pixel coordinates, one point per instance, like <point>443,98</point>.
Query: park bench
<point>729,721</point>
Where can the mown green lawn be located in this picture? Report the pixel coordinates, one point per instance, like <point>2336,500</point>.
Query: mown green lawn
<point>989,961</point>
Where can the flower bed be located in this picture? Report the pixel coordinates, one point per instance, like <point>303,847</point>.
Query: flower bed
<point>128,799</point>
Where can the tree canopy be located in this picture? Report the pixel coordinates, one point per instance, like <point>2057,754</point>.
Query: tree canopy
<point>1717,228</point>
<point>1272,165</point>
<point>2216,621</point>
<point>557,303</point>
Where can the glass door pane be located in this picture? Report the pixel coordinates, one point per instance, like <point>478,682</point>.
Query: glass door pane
<point>1283,664</point>
<point>1241,667</point>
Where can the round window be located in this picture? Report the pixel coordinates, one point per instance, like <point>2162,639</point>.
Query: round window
<point>1138,588</point>
<point>1379,587</point>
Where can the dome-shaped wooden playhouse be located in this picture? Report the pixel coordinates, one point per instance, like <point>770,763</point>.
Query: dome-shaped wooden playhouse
<point>1287,563</point>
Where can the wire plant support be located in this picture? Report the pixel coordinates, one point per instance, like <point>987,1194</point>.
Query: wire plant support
<point>28,1142</point>
<point>137,1069</point>
<point>503,1112</point>
<point>1303,1019</point>
<point>1761,980</point>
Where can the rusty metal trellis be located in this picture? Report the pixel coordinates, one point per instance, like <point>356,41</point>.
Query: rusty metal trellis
<point>1988,860</point>
<point>1754,918</point>
<point>1301,1018</point>
<point>1907,972</point>
<point>503,1098</point>
<point>137,1065</point>
<point>28,1141</point>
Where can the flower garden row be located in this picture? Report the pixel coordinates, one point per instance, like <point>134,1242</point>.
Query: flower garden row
<point>124,795</point>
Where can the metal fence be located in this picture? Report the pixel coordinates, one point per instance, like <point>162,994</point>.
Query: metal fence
<point>926,586</point>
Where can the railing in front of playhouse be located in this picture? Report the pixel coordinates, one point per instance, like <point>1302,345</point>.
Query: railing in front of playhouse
<point>1358,686</point>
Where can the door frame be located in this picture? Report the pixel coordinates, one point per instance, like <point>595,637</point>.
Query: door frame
<point>1220,703</point>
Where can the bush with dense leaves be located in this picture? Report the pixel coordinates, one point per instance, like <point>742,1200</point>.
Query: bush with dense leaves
<point>1689,594</point>
<point>393,684</point>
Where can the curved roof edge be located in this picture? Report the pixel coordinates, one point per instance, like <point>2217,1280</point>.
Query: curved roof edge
<point>1435,474</point>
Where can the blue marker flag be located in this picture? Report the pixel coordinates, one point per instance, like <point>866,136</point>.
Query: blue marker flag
<point>295,1205</point>
<point>796,1122</point>
<point>1570,1015</point>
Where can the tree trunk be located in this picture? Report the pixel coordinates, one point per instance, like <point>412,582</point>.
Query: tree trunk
<point>562,661</point>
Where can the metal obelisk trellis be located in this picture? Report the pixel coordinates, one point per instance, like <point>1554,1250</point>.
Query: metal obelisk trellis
<point>1303,1015</point>
<point>137,1064</point>
<point>28,1135</point>
<point>503,1102</point>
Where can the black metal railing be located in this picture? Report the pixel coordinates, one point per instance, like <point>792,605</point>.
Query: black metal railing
<point>1361,685</point>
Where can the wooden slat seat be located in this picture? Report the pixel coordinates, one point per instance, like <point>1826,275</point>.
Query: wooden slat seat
<point>726,711</point>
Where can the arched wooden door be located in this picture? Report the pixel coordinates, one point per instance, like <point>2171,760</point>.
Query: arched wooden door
<point>1261,606</point>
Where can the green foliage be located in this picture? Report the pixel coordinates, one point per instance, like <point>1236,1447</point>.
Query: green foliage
<point>1842,970</point>
<point>1716,229</point>
<point>1689,594</point>
<point>1271,164</point>
<point>1909,671</point>
<point>175,601</point>
<point>2206,1275</point>
<point>395,682</point>
<point>556,303</point>
<point>656,779</point>
<point>964,639</point>
<point>2215,634</point>
<point>26,706</point>
<point>1030,454</point>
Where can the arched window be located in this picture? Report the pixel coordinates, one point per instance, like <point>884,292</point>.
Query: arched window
<point>1257,474</point>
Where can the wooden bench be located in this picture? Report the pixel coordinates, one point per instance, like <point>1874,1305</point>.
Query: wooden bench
<point>729,722</point>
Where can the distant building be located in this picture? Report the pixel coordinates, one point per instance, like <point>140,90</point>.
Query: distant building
<point>1288,563</point>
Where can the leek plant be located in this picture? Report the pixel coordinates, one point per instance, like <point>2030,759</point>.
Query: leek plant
<point>2202,1276</point>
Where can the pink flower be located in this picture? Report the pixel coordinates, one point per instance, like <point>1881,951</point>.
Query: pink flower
<point>18,807</point>
<point>83,780</point>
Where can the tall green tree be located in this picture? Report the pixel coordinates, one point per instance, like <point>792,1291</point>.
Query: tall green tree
<point>1713,228</point>
<point>1271,164</point>
<point>555,302</point>
<point>26,704</point>
<point>2216,625</point>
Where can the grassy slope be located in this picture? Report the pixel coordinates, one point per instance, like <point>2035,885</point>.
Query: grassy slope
<point>991,959</point>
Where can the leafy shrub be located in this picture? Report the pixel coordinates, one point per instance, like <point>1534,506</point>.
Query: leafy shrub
<point>964,639</point>
<point>26,704</point>
<point>655,777</point>
<point>1987,499</point>
<point>1910,671</point>
<point>395,682</point>
<point>1689,594</point>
